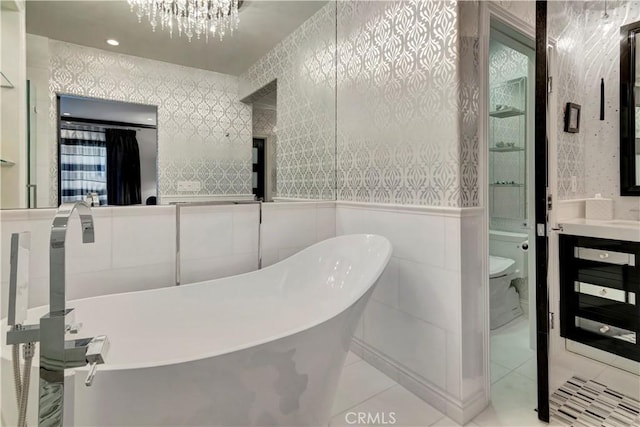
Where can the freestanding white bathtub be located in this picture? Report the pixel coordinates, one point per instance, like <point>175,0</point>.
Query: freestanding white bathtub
<point>259,349</point>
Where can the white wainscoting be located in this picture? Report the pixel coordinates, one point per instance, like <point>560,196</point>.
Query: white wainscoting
<point>134,247</point>
<point>288,228</point>
<point>134,250</point>
<point>424,325</point>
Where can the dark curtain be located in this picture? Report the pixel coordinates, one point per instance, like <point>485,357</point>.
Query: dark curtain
<point>123,167</point>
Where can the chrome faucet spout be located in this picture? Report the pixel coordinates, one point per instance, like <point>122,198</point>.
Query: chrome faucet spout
<point>56,353</point>
<point>57,279</point>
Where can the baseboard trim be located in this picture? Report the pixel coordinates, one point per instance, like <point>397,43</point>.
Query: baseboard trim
<point>460,412</point>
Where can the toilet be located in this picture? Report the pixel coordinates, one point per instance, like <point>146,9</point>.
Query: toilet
<point>504,300</point>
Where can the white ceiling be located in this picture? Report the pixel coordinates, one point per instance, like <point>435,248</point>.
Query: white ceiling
<point>263,23</point>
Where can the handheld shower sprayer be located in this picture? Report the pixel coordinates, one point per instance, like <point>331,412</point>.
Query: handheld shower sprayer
<point>20,334</point>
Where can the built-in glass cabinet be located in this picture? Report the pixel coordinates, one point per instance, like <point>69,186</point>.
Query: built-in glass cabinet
<point>507,149</point>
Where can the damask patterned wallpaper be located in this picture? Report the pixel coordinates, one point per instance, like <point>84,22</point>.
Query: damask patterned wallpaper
<point>398,107</point>
<point>304,66</point>
<point>407,102</point>
<point>588,50</point>
<point>204,132</point>
<point>565,21</point>
<point>601,53</point>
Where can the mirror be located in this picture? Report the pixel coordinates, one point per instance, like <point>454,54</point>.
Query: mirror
<point>107,152</point>
<point>629,111</point>
<point>215,99</point>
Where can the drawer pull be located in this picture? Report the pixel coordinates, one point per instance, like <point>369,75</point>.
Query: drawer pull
<point>607,256</point>
<point>604,329</point>
<point>600,291</point>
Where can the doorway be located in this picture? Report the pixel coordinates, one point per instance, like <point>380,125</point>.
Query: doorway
<point>264,117</point>
<point>258,168</point>
<point>510,197</point>
<point>510,201</point>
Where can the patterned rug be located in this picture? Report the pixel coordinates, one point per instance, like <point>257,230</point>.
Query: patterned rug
<point>588,403</point>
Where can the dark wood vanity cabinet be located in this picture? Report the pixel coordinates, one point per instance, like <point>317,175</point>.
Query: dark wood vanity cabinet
<point>599,285</point>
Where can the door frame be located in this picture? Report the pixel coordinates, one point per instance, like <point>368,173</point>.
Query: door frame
<point>542,193</point>
<point>490,11</point>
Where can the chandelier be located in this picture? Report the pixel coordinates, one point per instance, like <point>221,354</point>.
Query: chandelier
<point>190,17</point>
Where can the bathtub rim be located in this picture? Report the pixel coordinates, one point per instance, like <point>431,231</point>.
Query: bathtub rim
<point>340,308</point>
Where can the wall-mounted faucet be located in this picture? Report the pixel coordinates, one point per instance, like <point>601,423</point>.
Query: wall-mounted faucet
<point>56,353</point>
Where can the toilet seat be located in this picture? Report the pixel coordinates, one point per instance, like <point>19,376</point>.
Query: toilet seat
<point>499,266</point>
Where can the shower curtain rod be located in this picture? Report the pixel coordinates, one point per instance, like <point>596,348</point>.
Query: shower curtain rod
<point>106,123</point>
<point>93,128</point>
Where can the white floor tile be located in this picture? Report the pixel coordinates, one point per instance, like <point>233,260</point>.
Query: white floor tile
<point>569,364</point>
<point>498,372</point>
<point>395,406</point>
<point>359,382</point>
<point>621,381</point>
<point>445,422</point>
<point>513,403</point>
<point>351,358</point>
<point>529,369</point>
<point>510,344</point>
<point>448,422</point>
<point>517,326</point>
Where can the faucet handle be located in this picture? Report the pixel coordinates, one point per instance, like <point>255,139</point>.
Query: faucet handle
<point>91,375</point>
<point>96,351</point>
<point>73,328</point>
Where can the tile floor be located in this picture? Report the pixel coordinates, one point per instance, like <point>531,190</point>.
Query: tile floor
<point>513,378</point>
<point>513,375</point>
<point>363,388</point>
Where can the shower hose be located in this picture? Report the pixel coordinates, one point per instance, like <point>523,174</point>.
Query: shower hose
<point>21,382</point>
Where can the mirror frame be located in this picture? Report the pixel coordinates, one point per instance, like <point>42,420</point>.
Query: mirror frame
<point>628,184</point>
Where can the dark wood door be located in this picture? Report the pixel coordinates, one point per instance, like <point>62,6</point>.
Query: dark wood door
<point>541,212</point>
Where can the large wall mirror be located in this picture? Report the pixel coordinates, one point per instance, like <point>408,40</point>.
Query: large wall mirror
<point>630,110</point>
<point>107,152</point>
<point>251,115</point>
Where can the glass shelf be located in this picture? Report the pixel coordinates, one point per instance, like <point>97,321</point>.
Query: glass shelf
<point>506,149</point>
<point>507,112</point>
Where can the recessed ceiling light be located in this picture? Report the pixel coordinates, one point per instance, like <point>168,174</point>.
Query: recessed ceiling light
<point>66,114</point>
<point>113,42</point>
<point>150,120</point>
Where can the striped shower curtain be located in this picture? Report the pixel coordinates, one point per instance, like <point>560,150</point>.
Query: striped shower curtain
<point>83,164</point>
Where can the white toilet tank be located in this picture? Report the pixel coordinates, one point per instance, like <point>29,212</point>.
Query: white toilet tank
<point>508,244</point>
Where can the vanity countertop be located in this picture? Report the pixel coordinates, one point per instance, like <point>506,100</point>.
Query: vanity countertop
<point>617,229</point>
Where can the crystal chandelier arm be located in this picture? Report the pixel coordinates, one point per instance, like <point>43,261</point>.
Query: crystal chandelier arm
<point>191,17</point>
